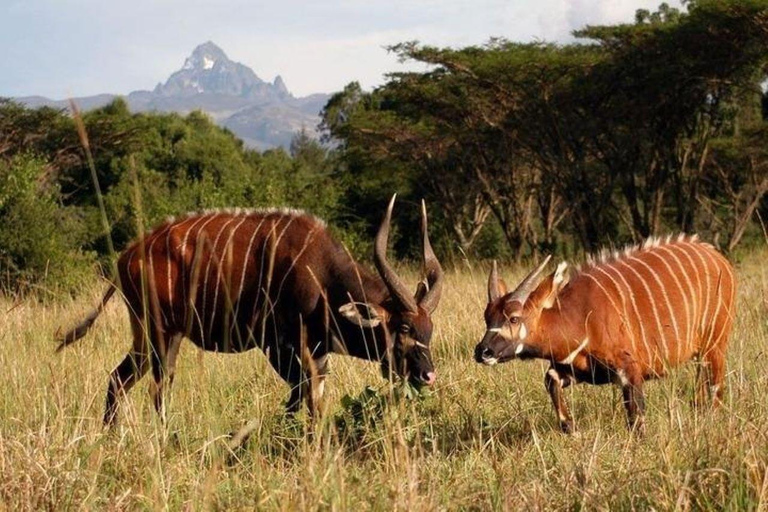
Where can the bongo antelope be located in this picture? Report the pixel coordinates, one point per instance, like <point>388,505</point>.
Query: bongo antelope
<point>624,318</point>
<point>275,279</point>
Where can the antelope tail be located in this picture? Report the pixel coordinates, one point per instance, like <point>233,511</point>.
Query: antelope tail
<point>82,328</point>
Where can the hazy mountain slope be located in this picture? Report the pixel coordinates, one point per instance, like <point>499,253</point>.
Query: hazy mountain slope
<point>264,114</point>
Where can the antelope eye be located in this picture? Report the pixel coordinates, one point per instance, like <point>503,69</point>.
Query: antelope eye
<point>514,320</point>
<point>405,328</point>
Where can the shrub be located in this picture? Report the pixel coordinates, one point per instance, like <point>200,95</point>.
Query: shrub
<point>39,240</point>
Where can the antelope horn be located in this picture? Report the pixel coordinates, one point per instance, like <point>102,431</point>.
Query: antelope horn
<point>395,286</point>
<point>527,285</point>
<point>432,269</point>
<point>493,283</point>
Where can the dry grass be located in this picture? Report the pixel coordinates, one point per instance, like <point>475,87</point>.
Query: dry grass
<point>485,439</point>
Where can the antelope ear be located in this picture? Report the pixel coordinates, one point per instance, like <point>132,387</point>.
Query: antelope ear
<point>421,291</point>
<point>544,296</point>
<point>361,313</point>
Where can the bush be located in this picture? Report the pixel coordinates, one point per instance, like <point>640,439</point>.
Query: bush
<point>39,240</point>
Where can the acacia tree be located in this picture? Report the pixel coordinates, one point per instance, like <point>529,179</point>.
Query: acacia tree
<point>736,182</point>
<point>612,137</point>
<point>408,124</point>
<point>526,138</point>
<point>671,79</point>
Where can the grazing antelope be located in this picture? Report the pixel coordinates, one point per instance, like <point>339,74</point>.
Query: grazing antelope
<point>625,318</point>
<point>274,279</point>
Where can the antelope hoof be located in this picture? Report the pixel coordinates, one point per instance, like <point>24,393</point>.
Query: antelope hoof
<point>567,427</point>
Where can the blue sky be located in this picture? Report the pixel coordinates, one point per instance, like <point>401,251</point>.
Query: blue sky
<point>59,48</point>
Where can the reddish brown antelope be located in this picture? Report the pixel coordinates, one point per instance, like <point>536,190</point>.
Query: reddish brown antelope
<point>625,318</point>
<point>274,279</point>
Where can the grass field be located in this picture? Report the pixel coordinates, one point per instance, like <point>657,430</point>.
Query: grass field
<point>485,438</point>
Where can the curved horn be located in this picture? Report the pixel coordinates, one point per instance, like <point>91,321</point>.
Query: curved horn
<point>432,268</point>
<point>527,285</point>
<point>493,283</point>
<point>396,287</point>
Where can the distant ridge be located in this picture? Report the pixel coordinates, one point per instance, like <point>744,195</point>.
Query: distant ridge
<point>264,114</point>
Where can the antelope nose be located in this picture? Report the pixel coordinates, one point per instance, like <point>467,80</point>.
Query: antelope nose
<point>430,378</point>
<point>483,353</point>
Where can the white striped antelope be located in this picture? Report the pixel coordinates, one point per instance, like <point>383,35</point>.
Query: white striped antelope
<point>624,318</point>
<point>274,279</point>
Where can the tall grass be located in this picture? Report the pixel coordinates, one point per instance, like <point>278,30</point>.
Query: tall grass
<point>486,438</point>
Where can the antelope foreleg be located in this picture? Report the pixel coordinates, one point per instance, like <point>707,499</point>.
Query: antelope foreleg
<point>634,400</point>
<point>554,383</point>
<point>162,370</point>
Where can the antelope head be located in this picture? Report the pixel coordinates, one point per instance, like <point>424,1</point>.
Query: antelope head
<point>512,319</point>
<point>404,321</point>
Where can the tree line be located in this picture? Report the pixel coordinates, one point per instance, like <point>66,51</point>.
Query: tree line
<point>633,130</point>
<point>149,166</point>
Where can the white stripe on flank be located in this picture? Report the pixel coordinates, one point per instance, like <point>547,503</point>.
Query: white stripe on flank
<point>182,249</point>
<point>711,323</point>
<point>208,270</point>
<point>705,311</point>
<point>607,293</point>
<point>631,294</point>
<point>660,327</point>
<point>690,293</point>
<point>151,266</point>
<point>247,255</point>
<point>222,263</point>
<point>679,285</point>
<point>242,275</point>
<point>193,300</point>
<point>666,299</point>
<point>724,265</point>
<point>272,255</point>
<point>694,293</point>
<point>569,360</point>
<point>168,271</point>
<point>710,284</point>
<point>183,246</point>
<point>718,286</point>
<point>621,313</point>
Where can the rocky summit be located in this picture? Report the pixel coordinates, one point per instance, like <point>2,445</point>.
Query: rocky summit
<point>264,114</point>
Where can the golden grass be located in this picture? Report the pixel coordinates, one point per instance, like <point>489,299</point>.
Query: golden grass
<point>486,438</point>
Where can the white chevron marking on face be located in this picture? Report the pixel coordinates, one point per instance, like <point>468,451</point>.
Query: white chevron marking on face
<point>505,332</point>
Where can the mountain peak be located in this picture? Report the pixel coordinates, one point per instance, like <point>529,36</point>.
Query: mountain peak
<point>280,87</point>
<point>264,114</point>
<point>205,56</point>
<point>208,70</point>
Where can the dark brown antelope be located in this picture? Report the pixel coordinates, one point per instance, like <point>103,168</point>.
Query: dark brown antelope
<point>274,279</point>
<point>625,318</point>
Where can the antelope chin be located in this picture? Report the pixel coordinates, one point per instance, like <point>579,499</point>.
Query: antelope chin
<point>507,356</point>
<point>490,361</point>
